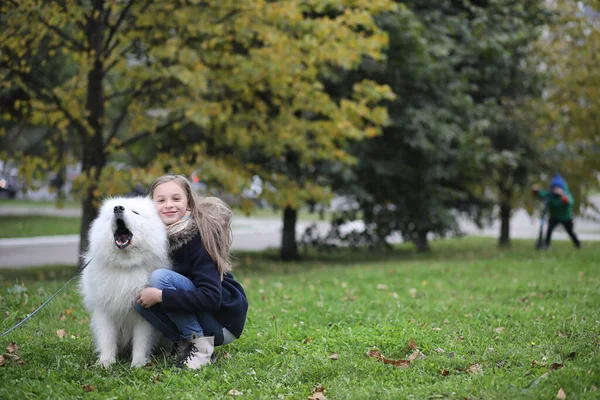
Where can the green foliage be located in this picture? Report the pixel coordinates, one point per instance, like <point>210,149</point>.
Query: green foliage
<point>457,300</point>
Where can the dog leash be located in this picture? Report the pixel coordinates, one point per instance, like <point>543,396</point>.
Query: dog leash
<point>46,302</point>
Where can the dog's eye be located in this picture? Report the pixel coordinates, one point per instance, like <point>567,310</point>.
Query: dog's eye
<point>135,212</point>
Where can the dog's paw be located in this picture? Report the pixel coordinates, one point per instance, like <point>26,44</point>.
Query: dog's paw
<point>106,362</point>
<point>138,363</point>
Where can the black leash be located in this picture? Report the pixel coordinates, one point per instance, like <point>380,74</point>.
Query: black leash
<point>46,302</point>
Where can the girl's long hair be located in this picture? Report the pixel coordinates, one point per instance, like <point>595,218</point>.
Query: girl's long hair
<point>213,218</point>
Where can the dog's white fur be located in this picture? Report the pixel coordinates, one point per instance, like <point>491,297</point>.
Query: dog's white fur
<point>114,277</point>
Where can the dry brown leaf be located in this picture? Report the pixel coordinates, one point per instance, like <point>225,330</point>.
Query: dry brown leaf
<point>397,363</point>
<point>88,388</point>
<point>7,313</point>
<point>226,355</point>
<point>150,364</point>
<point>307,340</point>
<point>235,392</point>
<point>62,317</point>
<point>439,350</point>
<point>21,362</point>
<point>69,311</point>
<point>555,366</point>
<point>2,360</point>
<point>475,369</point>
<point>84,320</point>
<point>381,286</point>
<point>499,329</point>
<point>318,393</point>
<point>561,395</point>
<point>412,292</point>
<point>561,335</point>
<point>12,347</point>
<point>61,333</point>
<point>155,378</point>
<point>416,355</point>
<point>412,344</point>
<point>460,338</point>
<point>12,356</point>
<point>334,356</point>
<point>443,372</point>
<point>534,363</point>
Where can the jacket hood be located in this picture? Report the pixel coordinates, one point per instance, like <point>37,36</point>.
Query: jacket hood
<point>558,181</point>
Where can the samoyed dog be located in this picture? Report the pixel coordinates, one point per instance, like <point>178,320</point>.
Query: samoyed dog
<point>127,241</point>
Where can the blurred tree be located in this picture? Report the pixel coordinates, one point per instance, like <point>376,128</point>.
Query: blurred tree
<point>206,82</point>
<point>568,122</point>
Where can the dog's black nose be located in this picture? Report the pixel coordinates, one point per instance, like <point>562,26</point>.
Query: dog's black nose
<point>119,209</point>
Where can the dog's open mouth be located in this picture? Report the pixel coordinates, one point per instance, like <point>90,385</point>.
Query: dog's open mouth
<point>122,235</point>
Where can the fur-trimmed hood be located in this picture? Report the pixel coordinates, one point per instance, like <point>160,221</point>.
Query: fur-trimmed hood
<point>178,239</point>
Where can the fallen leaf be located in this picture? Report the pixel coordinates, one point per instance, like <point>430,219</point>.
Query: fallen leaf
<point>334,356</point>
<point>460,338</point>
<point>474,369</point>
<point>443,372</point>
<point>307,340</point>
<point>412,292</point>
<point>150,364</point>
<point>84,320</point>
<point>1,360</point>
<point>397,363</point>
<point>439,350</point>
<point>318,393</point>
<point>21,362</point>
<point>69,311</point>
<point>88,388</point>
<point>412,344</point>
<point>155,378</point>
<point>7,313</point>
<point>226,355</point>
<point>235,392</point>
<point>499,329</point>
<point>12,347</point>
<point>534,363</point>
<point>555,366</point>
<point>561,335</point>
<point>62,317</point>
<point>381,286</point>
<point>12,356</point>
<point>561,395</point>
<point>416,355</point>
<point>61,333</point>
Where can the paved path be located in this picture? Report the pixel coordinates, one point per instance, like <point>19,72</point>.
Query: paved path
<point>248,234</point>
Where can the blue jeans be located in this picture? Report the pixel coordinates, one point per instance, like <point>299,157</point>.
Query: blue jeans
<point>176,326</point>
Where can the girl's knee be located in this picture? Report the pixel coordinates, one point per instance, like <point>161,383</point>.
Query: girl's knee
<point>159,278</point>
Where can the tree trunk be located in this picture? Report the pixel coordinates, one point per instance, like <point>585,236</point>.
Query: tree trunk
<point>505,210</point>
<point>289,247</point>
<point>422,242</point>
<point>94,157</point>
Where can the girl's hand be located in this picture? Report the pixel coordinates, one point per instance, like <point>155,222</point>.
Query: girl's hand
<point>149,297</point>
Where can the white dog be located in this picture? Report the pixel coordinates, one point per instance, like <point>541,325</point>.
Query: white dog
<point>127,241</point>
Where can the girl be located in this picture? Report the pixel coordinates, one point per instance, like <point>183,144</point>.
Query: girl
<point>198,304</point>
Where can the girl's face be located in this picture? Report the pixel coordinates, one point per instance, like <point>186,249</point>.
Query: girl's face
<point>170,202</point>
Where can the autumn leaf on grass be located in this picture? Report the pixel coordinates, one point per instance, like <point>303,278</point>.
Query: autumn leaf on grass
<point>61,333</point>
<point>474,369</point>
<point>443,372</point>
<point>318,393</point>
<point>12,347</point>
<point>226,355</point>
<point>235,392</point>
<point>561,395</point>
<point>499,329</point>
<point>397,363</point>
<point>2,361</point>
<point>307,340</point>
<point>555,366</point>
<point>381,286</point>
<point>412,344</point>
<point>334,356</point>
<point>88,388</point>
<point>416,355</point>
<point>155,378</point>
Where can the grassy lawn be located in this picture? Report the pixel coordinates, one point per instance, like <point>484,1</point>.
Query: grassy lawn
<point>491,324</point>
<point>36,204</point>
<point>18,226</point>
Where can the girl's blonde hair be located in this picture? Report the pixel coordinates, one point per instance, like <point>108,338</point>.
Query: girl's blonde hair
<point>212,216</point>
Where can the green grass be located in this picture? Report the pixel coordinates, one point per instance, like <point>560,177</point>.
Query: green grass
<point>18,226</point>
<point>301,313</point>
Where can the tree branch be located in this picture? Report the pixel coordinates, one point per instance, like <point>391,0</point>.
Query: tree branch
<point>113,29</point>
<point>144,135</point>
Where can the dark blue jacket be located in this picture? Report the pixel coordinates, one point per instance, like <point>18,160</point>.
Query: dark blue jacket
<point>225,300</point>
